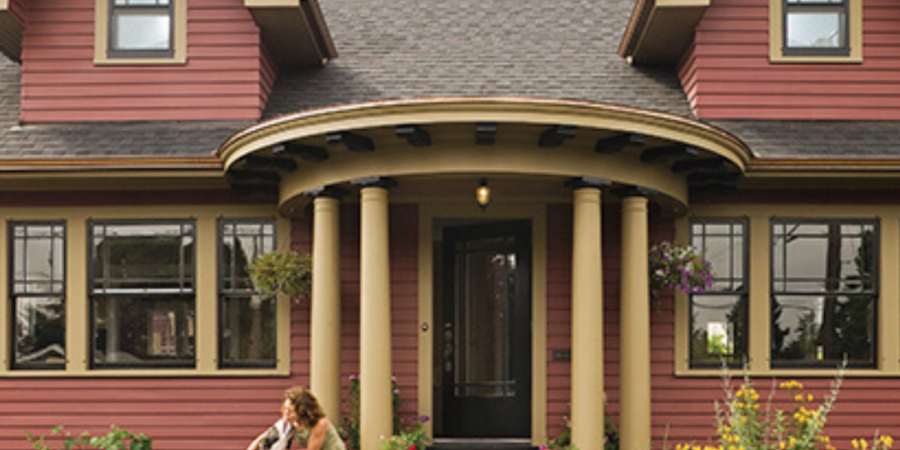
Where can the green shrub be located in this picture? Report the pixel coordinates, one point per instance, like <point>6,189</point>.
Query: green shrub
<point>116,439</point>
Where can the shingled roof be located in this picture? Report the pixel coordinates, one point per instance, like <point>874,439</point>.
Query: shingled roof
<point>395,49</point>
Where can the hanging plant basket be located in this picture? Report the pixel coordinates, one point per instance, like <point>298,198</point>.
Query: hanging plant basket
<point>285,273</point>
<point>679,267</point>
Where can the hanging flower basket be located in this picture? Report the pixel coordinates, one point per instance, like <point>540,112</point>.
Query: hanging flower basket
<point>286,273</point>
<point>680,267</point>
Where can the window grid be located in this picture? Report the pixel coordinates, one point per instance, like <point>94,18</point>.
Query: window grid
<point>231,293</point>
<point>24,289</point>
<point>780,283</point>
<point>180,300</point>
<point>702,231</point>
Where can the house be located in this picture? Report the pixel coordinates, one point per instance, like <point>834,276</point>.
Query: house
<point>150,148</point>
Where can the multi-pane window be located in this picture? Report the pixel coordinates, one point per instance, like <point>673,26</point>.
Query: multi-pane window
<point>824,292</point>
<point>816,27</point>
<point>37,291</point>
<point>719,315</point>
<point>142,289</point>
<point>247,319</point>
<point>141,28</point>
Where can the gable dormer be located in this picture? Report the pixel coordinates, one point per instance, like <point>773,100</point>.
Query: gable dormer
<point>127,60</point>
<point>785,59</point>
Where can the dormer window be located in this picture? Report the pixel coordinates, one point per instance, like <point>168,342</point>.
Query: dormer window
<point>141,28</point>
<point>816,27</point>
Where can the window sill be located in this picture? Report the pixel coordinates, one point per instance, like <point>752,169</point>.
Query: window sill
<point>851,59</point>
<point>174,61</point>
<point>137,373</point>
<point>787,373</point>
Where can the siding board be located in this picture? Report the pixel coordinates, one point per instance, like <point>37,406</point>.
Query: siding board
<point>727,74</point>
<point>220,81</point>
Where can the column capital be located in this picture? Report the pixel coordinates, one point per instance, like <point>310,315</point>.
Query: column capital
<point>327,192</point>
<point>379,182</point>
<point>576,183</point>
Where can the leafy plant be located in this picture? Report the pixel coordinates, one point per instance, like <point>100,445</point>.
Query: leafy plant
<point>564,440</point>
<point>288,273</point>
<point>349,429</point>
<point>410,438</point>
<point>116,439</point>
<point>677,266</point>
<point>745,423</point>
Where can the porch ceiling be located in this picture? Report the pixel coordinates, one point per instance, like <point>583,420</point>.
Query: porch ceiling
<point>668,155</point>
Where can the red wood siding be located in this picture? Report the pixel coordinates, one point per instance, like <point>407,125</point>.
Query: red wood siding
<point>17,9</point>
<point>726,72</point>
<point>225,413</point>
<point>268,74</point>
<point>223,79</point>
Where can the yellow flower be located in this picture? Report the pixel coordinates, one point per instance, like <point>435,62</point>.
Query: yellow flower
<point>809,398</point>
<point>798,398</point>
<point>781,445</point>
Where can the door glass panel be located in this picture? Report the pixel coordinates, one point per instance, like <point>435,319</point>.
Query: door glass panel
<point>485,271</point>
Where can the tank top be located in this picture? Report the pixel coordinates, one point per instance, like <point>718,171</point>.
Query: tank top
<point>333,440</point>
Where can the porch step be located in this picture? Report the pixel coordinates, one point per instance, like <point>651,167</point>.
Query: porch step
<point>481,444</point>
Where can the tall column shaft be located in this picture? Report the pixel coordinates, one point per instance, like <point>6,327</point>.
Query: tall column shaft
<point>325,323</point>
<point>587,321</point>
<point>375,320</point>
<point>634,404</point>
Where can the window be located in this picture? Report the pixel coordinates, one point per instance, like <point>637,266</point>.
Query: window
<point>247,322</point>
<point>719,315</point>
<point>815,27</point>
<point>142,294</point>
<point>141,28</point>
<point>815,31</point>
<point>38,292</point>
<point>824,292</point>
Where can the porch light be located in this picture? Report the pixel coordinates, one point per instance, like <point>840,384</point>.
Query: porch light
<point>483,194</point>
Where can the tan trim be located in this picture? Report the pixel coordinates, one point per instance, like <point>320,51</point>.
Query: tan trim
<point>588,399</point>
<point>491,109</point>
<point>855,35</point>
<point>5,329</point>
<point>20,165</point>
<point>77,305</point>
<point>466,208</point>
<point>888,357</point>
<point>10,34</point>
<point>4,5</point>
<point>101,38</point>
<point>294,31</point>
<point>659,31</point>
<point>634,328</point>
<point>325,307</point>
<point>822,166</point>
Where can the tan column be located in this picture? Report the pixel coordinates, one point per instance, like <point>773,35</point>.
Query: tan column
<point>375,320</point>
<point>325,323</point>
<point>634,390</point>
<point>587,321</point>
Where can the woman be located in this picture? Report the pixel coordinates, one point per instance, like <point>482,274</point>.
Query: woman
<point>302,414</point>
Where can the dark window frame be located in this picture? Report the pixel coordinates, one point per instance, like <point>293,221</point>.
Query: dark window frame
<point>188,294</point>
<point>113,52</point>
<point>876,294</point>
<point>843,8</point>
<point>224,293</point>
<point>743,293</point>
<point>14,296</point>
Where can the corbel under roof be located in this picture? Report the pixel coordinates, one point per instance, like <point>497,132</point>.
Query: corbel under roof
<point>294,31</point>
<point>660,30</point>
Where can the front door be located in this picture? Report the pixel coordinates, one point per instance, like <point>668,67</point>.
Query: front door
<point>485,347</point>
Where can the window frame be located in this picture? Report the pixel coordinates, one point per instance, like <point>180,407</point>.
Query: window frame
<point>103,33</point>
<point>223,293</point>
<point>14,297</point>
<point>854,36</point>
<point>843,8</point>
<point>744,293</point>
<point>93,295</point>
<point>114,53</point>
<point>876,293</point>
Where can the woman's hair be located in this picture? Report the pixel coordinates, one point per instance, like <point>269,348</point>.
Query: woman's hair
<point>305,405</point>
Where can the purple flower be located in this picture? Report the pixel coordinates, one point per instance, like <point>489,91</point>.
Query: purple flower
<point>353,377</point>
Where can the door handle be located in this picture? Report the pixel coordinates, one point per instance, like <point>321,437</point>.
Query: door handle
<point>447,351</point>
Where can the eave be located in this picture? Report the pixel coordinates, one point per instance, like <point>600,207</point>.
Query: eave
<point>294,31</point>
<point>660,30</point>
<point>10,33</point>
